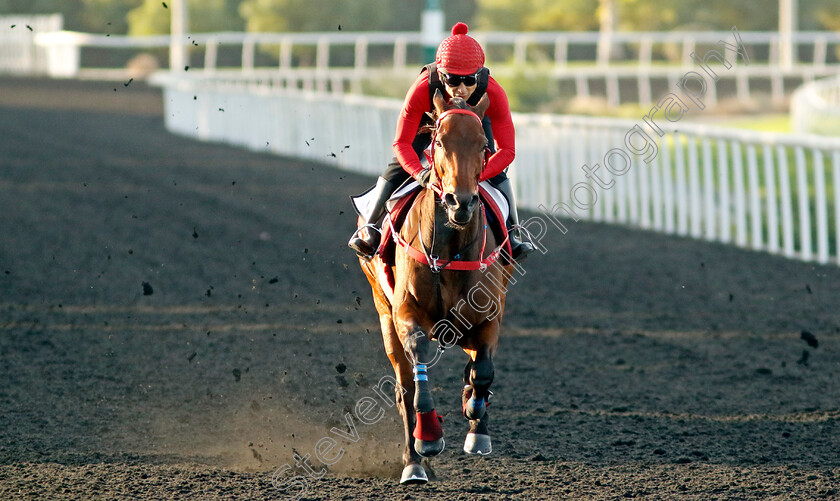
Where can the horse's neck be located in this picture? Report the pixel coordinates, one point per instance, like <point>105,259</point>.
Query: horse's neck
<point>447,241</point>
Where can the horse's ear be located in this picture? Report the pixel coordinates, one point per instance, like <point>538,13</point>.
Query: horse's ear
<point>481,107</point>
<point>440,102</point>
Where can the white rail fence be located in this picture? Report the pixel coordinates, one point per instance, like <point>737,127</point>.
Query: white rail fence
<point>558,49</point>
<point>815,108</point>
<point>769,192</point>
<point>18,52</point>
<point>650,59</point>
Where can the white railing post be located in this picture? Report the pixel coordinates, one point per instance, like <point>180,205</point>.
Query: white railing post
<point>681,191</point>
<point>804,209</point>
<point>179,51</point>
<point>644,194</point>
<point>708,190</point>
<point>725,234</point>
<point>667,182</point>
<point>756,219</point>
<point>770,191</point>
<point>787,204</point>
<point>400,50</point>
<point>821,209</point>
<point>689,45</point>
<point>360,64</point>
<point>835,181</point>
<point>613,90</point>
<point>322,54</point>
<point>360,54</point>
<point>520,50</point>
<point>694,188</point>
<point>248,48</point>
<point>211,54</point>
<point>561,53</point>
<point>820,52</point>
<point>286,53</point>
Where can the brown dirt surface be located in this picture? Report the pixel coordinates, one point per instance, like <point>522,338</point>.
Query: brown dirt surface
<point>177,319</point>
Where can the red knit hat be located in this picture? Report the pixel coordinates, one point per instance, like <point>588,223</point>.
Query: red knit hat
<point>460,54</point>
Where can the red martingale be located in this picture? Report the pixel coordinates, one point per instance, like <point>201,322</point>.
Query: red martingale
<point>455,265</point>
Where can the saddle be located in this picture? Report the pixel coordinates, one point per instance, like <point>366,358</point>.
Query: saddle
<point>496,209</point>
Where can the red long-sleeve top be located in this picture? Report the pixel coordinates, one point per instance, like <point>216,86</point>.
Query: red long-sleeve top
<point>417,103</point>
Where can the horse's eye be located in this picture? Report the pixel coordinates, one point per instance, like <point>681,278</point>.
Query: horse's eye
<point>438,144</point>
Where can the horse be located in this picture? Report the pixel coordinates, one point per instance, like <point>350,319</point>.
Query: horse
<point>447,287</point>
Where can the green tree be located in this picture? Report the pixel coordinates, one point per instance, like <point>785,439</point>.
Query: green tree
<point>107,16</point>
<point>536,15</point>
<point>825,15</point>
<point>356,15</point>
<point>71,9</point>
<point>152,18</point>
<point>315,15</point>
<point>651,15</point>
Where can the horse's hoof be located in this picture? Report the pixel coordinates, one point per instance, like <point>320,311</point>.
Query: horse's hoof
<point>477,443</point>
<point>429,448</point>
<point>414,474</point>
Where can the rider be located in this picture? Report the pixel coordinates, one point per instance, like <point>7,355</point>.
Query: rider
<point>458,71</point>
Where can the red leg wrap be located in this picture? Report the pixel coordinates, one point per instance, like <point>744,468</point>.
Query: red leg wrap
<point>427,428</point>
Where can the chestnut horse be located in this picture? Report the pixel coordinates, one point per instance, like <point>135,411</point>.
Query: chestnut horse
<point>448,288</point>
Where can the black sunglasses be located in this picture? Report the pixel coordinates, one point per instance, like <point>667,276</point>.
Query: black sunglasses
<point>456,80</point>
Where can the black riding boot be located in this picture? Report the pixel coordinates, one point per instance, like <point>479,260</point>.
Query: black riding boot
<point>365,240</point>
<point>519,249</point>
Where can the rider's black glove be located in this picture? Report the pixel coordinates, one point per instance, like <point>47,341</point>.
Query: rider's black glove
<point>423,177</point>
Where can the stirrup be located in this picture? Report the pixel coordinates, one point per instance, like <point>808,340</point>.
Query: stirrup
<point>526,245</point>
<point>355,236</point>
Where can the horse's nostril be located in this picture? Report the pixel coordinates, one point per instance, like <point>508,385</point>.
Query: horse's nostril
<point>450,200</point>
<point>474,200</point>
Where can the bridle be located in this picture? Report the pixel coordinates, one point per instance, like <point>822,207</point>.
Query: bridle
<point>425,256</point>
<point>430,155</point>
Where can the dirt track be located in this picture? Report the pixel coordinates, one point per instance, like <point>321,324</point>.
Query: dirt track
<point>632,364</point>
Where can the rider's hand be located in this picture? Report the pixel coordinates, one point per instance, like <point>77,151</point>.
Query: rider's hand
<point>423,177</point>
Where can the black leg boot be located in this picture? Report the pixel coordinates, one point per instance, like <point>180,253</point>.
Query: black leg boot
<point>365,240</point>
<point>519,249</point>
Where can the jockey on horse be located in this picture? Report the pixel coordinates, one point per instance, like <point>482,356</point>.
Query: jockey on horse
<point>458,71</point>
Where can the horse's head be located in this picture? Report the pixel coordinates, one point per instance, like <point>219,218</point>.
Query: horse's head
<point>458,147</point>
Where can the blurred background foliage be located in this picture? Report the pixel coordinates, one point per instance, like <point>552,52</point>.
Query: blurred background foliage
<point>146,17</point>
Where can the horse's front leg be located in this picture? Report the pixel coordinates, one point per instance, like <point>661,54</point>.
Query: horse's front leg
<point>413,471</point>
<point>428,434</point>
<point>478,376</point>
